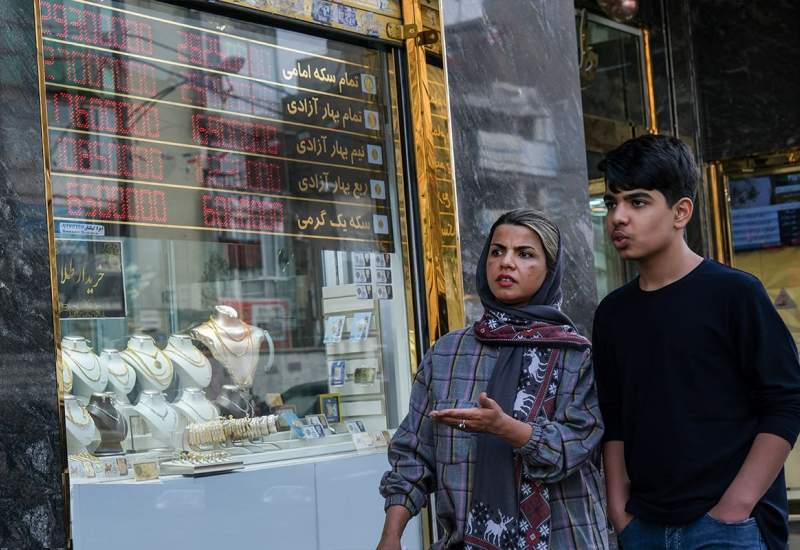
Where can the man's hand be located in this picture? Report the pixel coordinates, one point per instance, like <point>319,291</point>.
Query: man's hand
<point>619,520</point>
<point>729,511</point>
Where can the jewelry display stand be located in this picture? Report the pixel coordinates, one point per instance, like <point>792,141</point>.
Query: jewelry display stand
<point>121,376</point>
<point>81,431</point>
<point>88,375</point>
<point>234,344</point>
<point>232,401</point>
<point>194,407</point>
<point>192,368</point>
<point>110,422</point>
<point>154,369</point>
<point>162,422</point>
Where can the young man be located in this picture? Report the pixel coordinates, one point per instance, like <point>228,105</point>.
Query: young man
<point>698,376</point>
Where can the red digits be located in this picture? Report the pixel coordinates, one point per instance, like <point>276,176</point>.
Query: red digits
<point>111,202</point>
<point>108,159</point>
<point>243,213</point>
<point>238,135</point>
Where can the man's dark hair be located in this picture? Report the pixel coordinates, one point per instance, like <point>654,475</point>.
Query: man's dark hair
<point>652,162</point>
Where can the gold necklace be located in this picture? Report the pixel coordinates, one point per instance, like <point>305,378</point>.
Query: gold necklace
<point>118,376</point>
<point>221,339</point>
<point>161,416</point>
<point>77,363</point>
<point>216,326</point>
<point>67,377</point>
<point>199,415</point>
<point>174,349</point>
<point>85,415</point>
<point>164,378</point>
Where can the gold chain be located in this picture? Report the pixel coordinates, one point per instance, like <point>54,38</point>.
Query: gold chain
<point>174,349</point>
<point>215,326</point>
<point>81,368</point>
<point>74,421</point>
<point>164,378</point>
<point>222,340</point>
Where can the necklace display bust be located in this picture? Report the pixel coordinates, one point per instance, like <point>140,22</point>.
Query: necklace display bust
<point>153,367</point>
<point>160,417</point>
<point>121,376</point>
<point>233,402</point>
<point>194,406</point>
<point>235,344</point>
<point>81,431</point>
<point>110,423</point>
<point>192,368</point>
<point>88,375</point>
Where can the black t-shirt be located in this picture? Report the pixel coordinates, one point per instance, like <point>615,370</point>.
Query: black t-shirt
<point>687,376</point>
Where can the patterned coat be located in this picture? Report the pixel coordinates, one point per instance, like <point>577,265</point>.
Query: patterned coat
<point>428,457</point>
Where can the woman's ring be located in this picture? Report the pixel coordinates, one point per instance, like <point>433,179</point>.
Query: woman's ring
<point>461,425</point>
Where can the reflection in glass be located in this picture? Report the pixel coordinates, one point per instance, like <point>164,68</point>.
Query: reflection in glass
<point>765,221</point>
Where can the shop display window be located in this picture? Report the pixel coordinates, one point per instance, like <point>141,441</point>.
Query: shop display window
<point>765,224</point>
<point>227,226</point>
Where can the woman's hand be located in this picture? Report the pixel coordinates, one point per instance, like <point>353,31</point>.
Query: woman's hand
<point>488,417</point>
<point>389,543</point>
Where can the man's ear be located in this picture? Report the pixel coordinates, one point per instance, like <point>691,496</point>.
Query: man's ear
<point>682,211</point>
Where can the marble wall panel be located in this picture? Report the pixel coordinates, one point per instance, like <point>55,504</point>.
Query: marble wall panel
<point>31,507</point>
<point>747,54</point>
<point>518,131</point>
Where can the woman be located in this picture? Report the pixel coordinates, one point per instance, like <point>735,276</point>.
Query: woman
<point>504,423</point>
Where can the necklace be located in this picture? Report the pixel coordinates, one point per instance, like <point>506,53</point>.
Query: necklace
<point>117,419</point>
<point>200,363</point>
<point>245,411</point>
<point>123,377</point>
<point>67,378</point>
<point>164,378</point>
<point>215,326</point>
<point>84,414</point>
<point>198,413</point>
<point>161,416</point>
<point>88,372</point>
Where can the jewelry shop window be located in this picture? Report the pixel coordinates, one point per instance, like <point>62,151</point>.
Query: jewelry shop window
<point>227,239</point>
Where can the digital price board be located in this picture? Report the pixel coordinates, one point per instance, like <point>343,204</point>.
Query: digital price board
<point>162,117</point>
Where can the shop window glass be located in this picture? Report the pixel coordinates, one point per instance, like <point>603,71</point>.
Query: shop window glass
<point>227,236</point>
<point>765,221</point>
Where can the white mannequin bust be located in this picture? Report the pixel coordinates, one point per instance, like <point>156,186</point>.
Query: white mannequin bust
<point>160,417</point>
<point>194,406</point>
<point>192,368</point>
<point>81,431</point>
<point>88,375</point>
<point>235,344</point>
<point>154,370</point>
<point>121,377</point>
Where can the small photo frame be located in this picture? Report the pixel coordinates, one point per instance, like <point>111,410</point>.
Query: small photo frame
<point>374,154</point>
<point>356,426</point>
<point>287,414</point>
<point>363,276</point>
<point>330,405</point>
<point>383,292</point>
<point>334,326</point>
<point>317,420</point>
<point>359,326</point>
<point>273,401</point>
<point>364,375</point>
<point>360,259</point>
<point>122,466</point>
<point>338,371</point>
<point>381,438</point>
<point>319,429</point>
<point>379,260</point>
<point>363,441</point>
<point>364,292</point>
<point>383,276</point>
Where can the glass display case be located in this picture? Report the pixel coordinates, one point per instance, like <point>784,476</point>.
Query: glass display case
<point>227,222</point>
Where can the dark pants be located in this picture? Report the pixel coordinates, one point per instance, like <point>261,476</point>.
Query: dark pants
<point>705,533</point>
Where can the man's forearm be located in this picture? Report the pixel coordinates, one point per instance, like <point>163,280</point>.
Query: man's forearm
<point>758,472</point>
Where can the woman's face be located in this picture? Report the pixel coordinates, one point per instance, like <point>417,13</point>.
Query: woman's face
<point>517,265</point>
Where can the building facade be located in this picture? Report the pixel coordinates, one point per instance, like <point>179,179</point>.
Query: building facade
<point>231,229</point>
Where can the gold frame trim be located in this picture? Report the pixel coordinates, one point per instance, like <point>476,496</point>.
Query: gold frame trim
<point>652,126</point>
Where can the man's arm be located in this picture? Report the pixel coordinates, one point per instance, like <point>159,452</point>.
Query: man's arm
<point>618,486</point>
<point>393,526</point>
<point>760,468</point>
